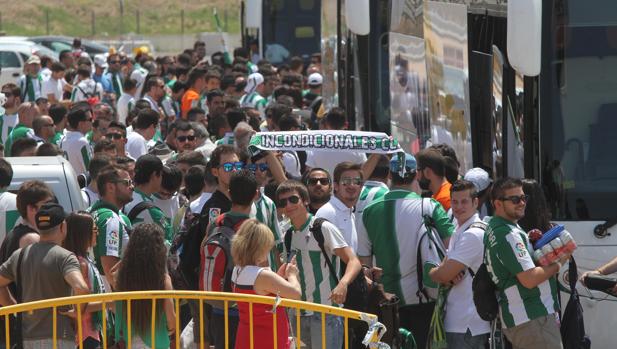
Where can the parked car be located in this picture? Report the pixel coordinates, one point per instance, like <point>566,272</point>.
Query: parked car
<point>55,171</point>
<point>13,55</point>
<point>61,43</point>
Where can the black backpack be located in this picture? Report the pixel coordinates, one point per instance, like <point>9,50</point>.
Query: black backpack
<point>483,287</point>
<point>357,291</point>
<point>189,240</point>
<point>139,208</point>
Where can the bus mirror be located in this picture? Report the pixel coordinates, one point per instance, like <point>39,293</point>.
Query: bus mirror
<point>252,14</point>
<point>358,17</point>
<point>525,36</point>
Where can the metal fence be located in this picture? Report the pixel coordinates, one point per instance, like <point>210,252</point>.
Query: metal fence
<point>177,296</point>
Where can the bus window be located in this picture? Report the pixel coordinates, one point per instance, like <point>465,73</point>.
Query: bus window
<point>578,110</point>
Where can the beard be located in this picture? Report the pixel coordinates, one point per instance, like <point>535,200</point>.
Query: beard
<point>320,198</point>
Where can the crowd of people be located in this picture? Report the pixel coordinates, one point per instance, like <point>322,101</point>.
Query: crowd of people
<point>176,200</point>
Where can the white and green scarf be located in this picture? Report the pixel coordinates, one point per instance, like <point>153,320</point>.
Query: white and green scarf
<point>328,140</point>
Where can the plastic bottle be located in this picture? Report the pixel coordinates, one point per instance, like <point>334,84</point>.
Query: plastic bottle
<point>549,254</point>
<point>568,241</point>
<point>557,245</point>
<point>539,257</point>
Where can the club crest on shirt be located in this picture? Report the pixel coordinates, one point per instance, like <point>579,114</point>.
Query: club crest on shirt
<point>521,251</point>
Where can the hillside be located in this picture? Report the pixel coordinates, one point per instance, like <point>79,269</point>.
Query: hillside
<point>83,17</point>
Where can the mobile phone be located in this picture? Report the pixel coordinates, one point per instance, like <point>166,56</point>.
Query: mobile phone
<point>291,255</point>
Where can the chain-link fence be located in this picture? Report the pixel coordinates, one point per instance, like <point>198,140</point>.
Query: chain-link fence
<point>111,19</point>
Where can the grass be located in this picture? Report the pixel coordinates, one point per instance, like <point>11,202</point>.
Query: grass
<point>74,17</point>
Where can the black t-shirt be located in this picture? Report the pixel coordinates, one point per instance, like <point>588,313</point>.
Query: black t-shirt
<point>190,256</point>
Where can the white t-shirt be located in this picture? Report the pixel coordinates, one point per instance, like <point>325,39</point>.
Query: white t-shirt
<point>123,106</point>
<point>89,196</point>
<point>77,150</point>
<point>8,213</point>
<point>139,75</point>
<point>292,163</point>
<point>206,149</point>
<point>328,160</point>
<point>85,88</point>
<point>54,87</point>
<point>467,247</point>
<point>136,145</point>
<point>169,207</point>
<point>343,218</point>
<point>198,204</point>
<point>8,122</point>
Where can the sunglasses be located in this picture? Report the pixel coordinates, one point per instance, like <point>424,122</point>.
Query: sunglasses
<point>7,94</point>
<point>261,167</point>
<point>232,166</point>
<point>515,199</point>
<point>127,182</point>
<point>114,136</point>
<point>281,203</point>
<point>350,181</point>
<point>321,181</point>
<point>185,138</point>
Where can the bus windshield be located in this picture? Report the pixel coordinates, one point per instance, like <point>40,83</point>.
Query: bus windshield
<point>578,109</point>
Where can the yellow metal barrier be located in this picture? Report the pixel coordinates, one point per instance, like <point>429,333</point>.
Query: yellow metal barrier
<point>177,296</point>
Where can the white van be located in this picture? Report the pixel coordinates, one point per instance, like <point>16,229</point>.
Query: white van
<point>55,171</point>
<point>13,56</point>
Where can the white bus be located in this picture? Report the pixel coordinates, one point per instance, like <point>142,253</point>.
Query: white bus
<point>536,100</point>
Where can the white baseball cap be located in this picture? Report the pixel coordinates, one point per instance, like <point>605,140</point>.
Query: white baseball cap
<point>315,79</point>
<point>101,61</point>
<point>253,81</point>
<point>34,59</point>
<point>479,178</point>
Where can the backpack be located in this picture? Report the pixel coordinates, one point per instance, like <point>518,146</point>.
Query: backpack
<point>216,262</point>
<point>357,290</point>
<point>572,323</point>
<point>483,288</point>
<point>430,241</point>
<point>91,97</point>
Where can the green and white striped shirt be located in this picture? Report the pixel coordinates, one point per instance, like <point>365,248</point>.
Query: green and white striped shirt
<point>371,191</point>
<point>77,150</point>
<point>264,211</point>
<point>8,213</point>
<point>391,231</point>
<point>254,100</point>
<point>113,228</point>
<point>508,252</point>
<point>315,279</point>
<point>151,215</point>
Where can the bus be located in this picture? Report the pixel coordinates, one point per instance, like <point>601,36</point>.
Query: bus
<point>281,28</point>
<point>431,72</point>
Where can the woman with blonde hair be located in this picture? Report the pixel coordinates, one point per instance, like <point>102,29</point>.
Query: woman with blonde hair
<point>250,249</point>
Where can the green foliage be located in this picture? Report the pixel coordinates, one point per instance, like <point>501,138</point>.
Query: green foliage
<point>75,17</point>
